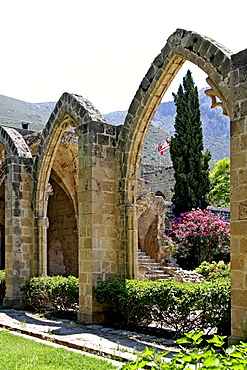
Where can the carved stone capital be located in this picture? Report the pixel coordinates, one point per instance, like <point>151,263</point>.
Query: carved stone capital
<point>43,222</point>
<point>215,93</point>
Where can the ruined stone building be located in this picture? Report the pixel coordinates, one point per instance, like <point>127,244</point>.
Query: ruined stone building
<point>69,200</point>
<point>161,179</point>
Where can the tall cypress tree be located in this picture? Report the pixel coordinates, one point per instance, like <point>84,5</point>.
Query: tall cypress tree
<point>191,166</point>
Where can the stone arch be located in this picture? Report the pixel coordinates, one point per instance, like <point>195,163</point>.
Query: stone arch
<point>13,143</point>
<point>182,45</point>
<point>65,184</point>
<point>70,111</point>
<point>16,215</point>
<point>159,193</point>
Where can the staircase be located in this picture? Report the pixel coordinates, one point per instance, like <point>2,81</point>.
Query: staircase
<point>149,269</point>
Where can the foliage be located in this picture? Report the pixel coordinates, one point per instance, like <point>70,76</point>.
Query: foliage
<point>59,293</point>
<point>191,166</point>
<point>219,194</point>
<point>214,270</point>
<point>212,357</point>
<point>21,353</point>
<point>2,284</point>
<point>180,307</point>
<point>199,236</point>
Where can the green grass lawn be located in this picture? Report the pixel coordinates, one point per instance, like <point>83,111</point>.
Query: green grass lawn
<point>18,353</point>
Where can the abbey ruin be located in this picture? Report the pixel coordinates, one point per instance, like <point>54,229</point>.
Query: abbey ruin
<point>69,201</point>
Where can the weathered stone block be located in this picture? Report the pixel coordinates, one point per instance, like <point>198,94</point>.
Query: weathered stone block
<point>238,160</point>
<point>238,227</point>
<point>238,280</point>
<point>243,210</point>
<point>239,60</point>
<point>239,298</point>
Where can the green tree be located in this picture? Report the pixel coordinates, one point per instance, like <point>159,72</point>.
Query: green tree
<point>191,166</point>
<point>219,194</point>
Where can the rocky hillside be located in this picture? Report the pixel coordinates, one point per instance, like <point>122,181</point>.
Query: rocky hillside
<point>21,111</point>
<point>216,127</point>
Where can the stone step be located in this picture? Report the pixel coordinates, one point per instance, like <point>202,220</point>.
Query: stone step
<point>153,270</point>
<point>145,262</point>
<point>158,277</point>
<point>157,272</point>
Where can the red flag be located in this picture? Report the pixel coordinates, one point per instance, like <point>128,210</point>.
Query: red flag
<point>163,147</point>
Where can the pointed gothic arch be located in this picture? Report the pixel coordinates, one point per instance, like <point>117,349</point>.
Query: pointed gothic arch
<point>16,213</point>
<point>70,111</point>
<point>11,144</point>
<point>214,60</point>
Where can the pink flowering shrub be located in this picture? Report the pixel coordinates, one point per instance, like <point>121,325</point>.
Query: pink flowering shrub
<point>199,236</point>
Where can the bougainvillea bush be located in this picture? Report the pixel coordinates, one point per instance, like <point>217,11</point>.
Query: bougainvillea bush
<point>200,235</point>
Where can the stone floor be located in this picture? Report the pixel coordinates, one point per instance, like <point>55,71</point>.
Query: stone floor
<point>95,339</point>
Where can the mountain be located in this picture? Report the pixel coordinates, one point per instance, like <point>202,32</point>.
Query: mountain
<point>215,126</point>
<point>20,111</point>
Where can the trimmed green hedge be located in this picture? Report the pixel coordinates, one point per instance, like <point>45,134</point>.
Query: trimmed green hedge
<point>2,285</point>
<point>58,293</point>
<point>181,307</point>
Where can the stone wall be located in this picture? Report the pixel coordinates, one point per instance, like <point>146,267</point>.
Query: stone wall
<point>18,226</point>
<point>2,226</point>
<point>62,239</point>
<point>151,211</point>
<point>161,179</point>
<point>239,193</point>
<point>222,212</point>
<point>99,251</point>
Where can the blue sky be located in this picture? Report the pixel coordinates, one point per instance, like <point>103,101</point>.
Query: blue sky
<point>102,49</point>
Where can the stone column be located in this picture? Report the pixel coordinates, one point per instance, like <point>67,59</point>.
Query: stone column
<point>18,224</point>
<point>132,242</point>
<point>97,213</point>
<point>239,196</point>
<point>42,224</point>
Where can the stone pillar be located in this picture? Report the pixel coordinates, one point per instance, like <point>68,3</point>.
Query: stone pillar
<point>42,225</point>
<point>132,242</point>
<point>97,213</point>
<point>239,196</point>
<point>18,224</point>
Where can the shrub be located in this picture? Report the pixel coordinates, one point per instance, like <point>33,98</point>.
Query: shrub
<point>214,270</point>
<point>2,285</point>
<point>219,194</point>
<point>126,299</point>
<point>199,236</point>
<point>59,293</point>
<point>66,294</point>
<point>213,356</point>
<point>181,307</point>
